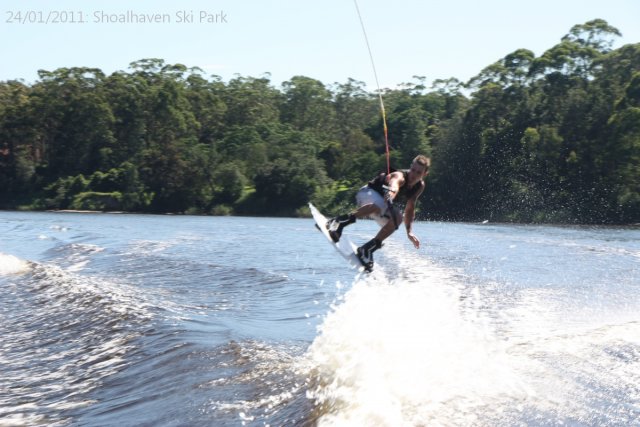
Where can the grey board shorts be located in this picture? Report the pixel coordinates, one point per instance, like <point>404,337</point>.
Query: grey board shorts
<point>367,196</point>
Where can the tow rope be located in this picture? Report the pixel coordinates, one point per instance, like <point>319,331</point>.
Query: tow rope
<point>375,74</point>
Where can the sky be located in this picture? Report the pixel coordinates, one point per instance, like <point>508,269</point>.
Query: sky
<point>435,39</point>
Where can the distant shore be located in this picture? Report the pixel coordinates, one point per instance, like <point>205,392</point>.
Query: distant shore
<point>478,222</point>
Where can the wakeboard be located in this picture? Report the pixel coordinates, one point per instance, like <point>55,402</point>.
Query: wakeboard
<point>345,247</point>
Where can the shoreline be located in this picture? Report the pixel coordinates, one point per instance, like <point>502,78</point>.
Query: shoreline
<point>473,222</point>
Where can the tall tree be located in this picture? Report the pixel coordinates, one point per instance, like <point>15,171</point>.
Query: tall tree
<point>308,106</point>
<point>76,119</point>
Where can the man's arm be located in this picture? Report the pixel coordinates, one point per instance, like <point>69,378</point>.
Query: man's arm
<point>394,182</point>
<point>410,215</point>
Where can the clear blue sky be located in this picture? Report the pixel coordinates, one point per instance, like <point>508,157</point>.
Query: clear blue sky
<point>319,39</point>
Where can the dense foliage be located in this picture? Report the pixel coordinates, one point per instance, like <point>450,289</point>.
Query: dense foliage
<point>554,138</point>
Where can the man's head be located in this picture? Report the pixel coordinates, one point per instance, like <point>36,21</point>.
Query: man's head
<point>419,168</point>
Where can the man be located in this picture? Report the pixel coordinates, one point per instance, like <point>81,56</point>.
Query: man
<point>375,200</point>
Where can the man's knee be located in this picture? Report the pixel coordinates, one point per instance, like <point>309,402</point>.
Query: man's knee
<point>393,223</point>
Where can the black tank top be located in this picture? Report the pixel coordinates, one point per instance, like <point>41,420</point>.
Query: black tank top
<point>404,193</point>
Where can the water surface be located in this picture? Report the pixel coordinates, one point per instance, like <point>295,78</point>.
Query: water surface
<point>177,320</point>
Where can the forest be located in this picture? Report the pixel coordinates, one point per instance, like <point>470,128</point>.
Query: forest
<point>547,139</point>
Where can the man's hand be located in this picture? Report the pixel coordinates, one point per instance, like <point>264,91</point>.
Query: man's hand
<point>414,239</point>
<point>395,180</point>
<point>389,195</point>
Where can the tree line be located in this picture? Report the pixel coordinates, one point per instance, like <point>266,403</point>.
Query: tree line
<point>554,138</point>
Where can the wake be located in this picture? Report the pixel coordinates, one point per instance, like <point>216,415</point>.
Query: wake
<point>404,351</point>
<point>414,343</point>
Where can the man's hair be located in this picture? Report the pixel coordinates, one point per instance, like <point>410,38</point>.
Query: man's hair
<point>424,161</point>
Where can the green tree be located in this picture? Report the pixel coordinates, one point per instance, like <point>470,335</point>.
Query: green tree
<point>620,156</point>
<point>229,183</point>
<point>76,120</point>
<point>578,50</point>
<point>208,106</point>
<point>285,184</point>
<point>308,106</point>
<point>251,101</point>
<point>19,140</point>
<point>126,95</point>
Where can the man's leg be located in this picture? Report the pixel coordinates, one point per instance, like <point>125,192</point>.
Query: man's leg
<point>367,210</point>
<point>337,224</point>
<point>365,252</point>
<point>391,226</point>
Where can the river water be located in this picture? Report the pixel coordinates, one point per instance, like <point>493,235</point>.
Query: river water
<point>110,319</point>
